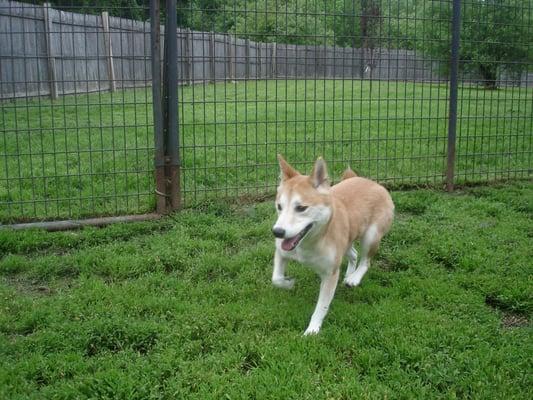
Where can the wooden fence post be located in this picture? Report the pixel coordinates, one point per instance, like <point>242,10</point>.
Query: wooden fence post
<point>258,71</point>
<point>273,60</point>
<point>109,51</point>
<point>189,55</point>
<point>229,59</point>
<point>247,58</point>
<point>212,56</point>
<point>48,28</point>
<point>186,48</point>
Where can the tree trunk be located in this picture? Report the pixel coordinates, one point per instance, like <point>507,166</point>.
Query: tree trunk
<point>489,75</point>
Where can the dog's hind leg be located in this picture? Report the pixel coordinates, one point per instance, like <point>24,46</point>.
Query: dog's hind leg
<point>278,274</point>
<point>369,246</point>
<point>351,255</point>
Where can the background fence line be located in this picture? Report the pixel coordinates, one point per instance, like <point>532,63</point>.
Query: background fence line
<point>86,53</point>
<point>384,110</point>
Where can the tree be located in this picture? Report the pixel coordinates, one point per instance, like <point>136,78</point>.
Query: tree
<point>370,33</point>
<point>495,38</point>
<point>292,21</point>
<point>132,9</point>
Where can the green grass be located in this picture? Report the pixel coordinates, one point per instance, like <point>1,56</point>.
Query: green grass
<point>183,308</point>
<point>92,154</point>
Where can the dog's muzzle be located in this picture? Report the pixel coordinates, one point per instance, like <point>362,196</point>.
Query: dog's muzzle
<point>278,232</point>
<point>289,244</point>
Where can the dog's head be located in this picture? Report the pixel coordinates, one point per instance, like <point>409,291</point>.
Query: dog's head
<point>303,204</point>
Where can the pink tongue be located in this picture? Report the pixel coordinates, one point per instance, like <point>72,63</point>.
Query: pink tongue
<point>288,244</point>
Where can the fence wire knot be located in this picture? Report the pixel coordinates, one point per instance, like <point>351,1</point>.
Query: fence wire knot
<point>161,193</point>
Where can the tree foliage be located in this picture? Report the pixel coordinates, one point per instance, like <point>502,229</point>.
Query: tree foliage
<point>132,9</point>
<point>496,37</point>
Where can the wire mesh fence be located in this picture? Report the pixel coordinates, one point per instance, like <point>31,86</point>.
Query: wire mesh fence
<point>364,83</point>
<point>77,134</point>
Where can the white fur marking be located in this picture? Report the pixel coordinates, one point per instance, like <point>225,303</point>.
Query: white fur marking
<point>369,239</point>
<point>351,255</point>
<point>327,290</point>
<point>278,274</point>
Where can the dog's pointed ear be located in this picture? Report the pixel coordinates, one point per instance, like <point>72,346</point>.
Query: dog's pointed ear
<point>287,172</point>
<point>319,176</point>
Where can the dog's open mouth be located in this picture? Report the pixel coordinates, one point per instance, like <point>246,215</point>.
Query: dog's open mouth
<point>290,243</point>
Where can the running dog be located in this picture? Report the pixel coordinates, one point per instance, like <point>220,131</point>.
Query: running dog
<point>317,225</point>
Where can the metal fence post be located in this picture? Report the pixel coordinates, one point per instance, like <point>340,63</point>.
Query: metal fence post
<point>159,156</point>
<point>452,110</point>
<point>172,161</point>
<point>165,108</point>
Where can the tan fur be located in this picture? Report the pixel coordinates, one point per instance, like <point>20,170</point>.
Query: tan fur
<point>287,171</point>
<point>348,174</point>
<point>356,202</point>
<point>366,202</point>
<point>354,209</point>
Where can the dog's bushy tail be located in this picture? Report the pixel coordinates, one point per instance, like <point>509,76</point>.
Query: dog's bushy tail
<point>348,174</point>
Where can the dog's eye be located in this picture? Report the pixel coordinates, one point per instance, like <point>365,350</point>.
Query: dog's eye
<point>279,207</point>
<point>301,208</point>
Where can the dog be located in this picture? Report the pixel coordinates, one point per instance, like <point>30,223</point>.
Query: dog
<point>317,225</point>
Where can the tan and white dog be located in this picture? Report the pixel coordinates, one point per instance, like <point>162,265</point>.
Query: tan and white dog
<point>317,225</point>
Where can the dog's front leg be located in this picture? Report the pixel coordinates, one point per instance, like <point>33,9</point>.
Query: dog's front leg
<point>327,290</point>
<point>278,275</point>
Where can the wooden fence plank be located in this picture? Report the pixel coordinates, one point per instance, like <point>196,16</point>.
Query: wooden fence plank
<point>109,52</point>
<point>48,13</point>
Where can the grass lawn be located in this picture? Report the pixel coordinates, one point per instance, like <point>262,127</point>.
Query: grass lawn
<point>93,154</point>
<point>183,308</point>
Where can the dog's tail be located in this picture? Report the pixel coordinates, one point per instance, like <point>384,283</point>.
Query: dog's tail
<point>348,174</point>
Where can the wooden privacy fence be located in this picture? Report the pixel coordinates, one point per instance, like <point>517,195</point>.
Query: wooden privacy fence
<point>48,52</point>
<point>44,51</point>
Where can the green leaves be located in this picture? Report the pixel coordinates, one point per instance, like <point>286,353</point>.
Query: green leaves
<point>495,38</point>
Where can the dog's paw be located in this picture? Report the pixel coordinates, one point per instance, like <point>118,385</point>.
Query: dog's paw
<point>283,283</point>
<point>312,330</point>
<point>352,280</point>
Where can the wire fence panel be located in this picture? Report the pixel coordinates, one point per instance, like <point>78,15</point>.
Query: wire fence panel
<point>343,84</point>
<point>496,96</point>
<point>76,121</point>
<point>363,83</point>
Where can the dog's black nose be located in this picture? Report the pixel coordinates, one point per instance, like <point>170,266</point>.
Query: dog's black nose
<point>278,232</point>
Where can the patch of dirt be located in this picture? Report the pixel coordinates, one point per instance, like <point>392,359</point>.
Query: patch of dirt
<point>511,317</point>
<point>34,287</point>
<point>510,321</point>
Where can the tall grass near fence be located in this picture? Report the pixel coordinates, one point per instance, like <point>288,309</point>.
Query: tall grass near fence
<point>94,154</point>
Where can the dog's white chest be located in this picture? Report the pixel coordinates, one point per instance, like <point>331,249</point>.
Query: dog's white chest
<point>320,259</point>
